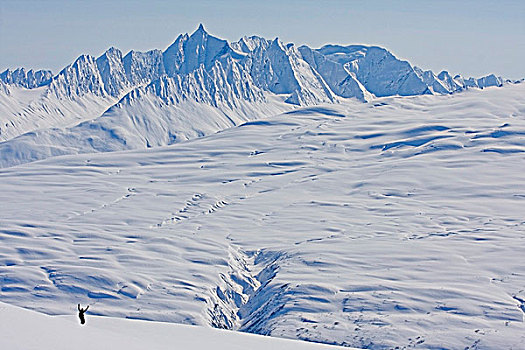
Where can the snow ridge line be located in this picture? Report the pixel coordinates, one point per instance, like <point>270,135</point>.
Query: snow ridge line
<point>247,299</point>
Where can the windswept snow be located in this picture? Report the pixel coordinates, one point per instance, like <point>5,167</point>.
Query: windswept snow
<point>396,223</point>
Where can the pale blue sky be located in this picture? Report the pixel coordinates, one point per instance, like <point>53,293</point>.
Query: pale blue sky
<point>469,37</point>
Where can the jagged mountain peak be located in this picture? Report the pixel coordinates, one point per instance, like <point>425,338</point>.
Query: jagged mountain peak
<point>248,44</point>
<point>81,63</point>
<point>111,52</point>
<point>200,33</point>
<point>110,57</point>
<point>173,56</point>
<point>277,44</point>
<point>188,52</point>
<point>179,40</point>
<point>200,28</point>
<point>84,58</point>
<point>29,79</point>
<point>112,71</point>
<point>443,74</point>
<point>78,79</point>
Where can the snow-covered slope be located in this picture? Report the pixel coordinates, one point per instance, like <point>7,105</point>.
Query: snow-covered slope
<point>166,111</point>
<point>396,223</point>
<point>28,330</point>
<point>141,99</point>
<point>25,111</point>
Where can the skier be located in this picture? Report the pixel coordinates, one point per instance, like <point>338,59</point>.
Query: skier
<point>81,312</point>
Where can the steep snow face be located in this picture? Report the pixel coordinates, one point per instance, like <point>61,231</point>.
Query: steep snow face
<point>173,57</point>
<point>210,70</point>
<point>214,86</point>
<point>104,76</point>
<point>342,82</point>
<point>312,88</point>
<point>143,67</point>
<point>202,49</point>
<point>280,69</point>
<point>80,78</point>
<point>112,72</point>
<point>30,79</point>
<point>271,68</point>
<point>377,69</point>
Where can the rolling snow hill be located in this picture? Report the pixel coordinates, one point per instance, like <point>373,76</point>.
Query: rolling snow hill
<point>394,223</point>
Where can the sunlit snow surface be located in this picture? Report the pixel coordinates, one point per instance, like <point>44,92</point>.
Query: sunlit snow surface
<point>65,333</point>
<point>399,222</point>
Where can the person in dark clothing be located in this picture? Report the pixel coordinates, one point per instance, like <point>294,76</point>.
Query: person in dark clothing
<point>81,312</point>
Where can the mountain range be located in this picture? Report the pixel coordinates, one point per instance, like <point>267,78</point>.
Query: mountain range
<point>199,85</point>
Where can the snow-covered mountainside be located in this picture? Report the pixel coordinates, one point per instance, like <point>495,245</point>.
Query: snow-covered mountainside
<point>199,85</point>
<point>64,332</point>
<point>395,223</point>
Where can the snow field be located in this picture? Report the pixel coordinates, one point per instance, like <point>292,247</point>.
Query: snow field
<point>393,223</point>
